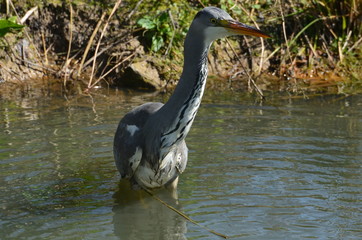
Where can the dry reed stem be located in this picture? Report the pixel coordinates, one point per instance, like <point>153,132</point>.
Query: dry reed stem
<point>272,54</point>
<point>258,90</point>
<point>347,39</point>
<point>253,9</point>
<point>330,57</point>
<point>90,43</point>
<point>100,39</point>
<point>355,45</point>
<point>100,52</point>
<point>13,74</point>
<point>69,45</point>
<point>114,67</point>
<point>44,47</point>
<point>201,3</point>
<point>262,40</point>
<point>134,9</point>
<point>284,29</point>
<point>305,36</point>
<point>7,2</point>
<point>28,14</point>
<point>340,52</point>
<point>25,31</point>
<point>35,65</point>
<point>173,33</point>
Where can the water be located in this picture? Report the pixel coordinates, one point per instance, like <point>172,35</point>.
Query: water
<point>281,169</point>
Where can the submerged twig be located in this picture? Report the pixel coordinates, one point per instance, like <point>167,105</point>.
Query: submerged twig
<point>185,216</point>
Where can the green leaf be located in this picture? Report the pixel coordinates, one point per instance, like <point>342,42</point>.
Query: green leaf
<point>256,6</point>
<point>157,43</point>
<point>146,23</point>
<point>163,17</point>
<point>7,26</point>
<point>344,23</point>
<point>12,19</point>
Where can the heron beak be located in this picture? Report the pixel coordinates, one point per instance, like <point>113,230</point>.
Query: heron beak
<point>242,29</point>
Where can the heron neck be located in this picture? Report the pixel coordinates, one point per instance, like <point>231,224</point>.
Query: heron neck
<point>193,75</point>
<point>180,110</point>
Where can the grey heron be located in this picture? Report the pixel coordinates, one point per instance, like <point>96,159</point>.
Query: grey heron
<point>149,144</point>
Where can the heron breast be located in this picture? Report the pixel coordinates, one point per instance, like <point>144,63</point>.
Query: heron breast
<point>152,178</point>
<point>135,160</point>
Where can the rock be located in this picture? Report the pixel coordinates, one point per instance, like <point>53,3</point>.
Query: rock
<point>141,75</point>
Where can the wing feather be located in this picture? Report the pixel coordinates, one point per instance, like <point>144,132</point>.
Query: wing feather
<point>129,141</point>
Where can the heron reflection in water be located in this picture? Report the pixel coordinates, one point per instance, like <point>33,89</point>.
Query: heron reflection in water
<point>149,144</point>
<point>137,215</point>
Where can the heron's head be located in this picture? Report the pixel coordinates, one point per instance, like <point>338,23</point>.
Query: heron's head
<point>215,23</point>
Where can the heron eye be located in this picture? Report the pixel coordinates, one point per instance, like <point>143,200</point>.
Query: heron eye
<point>213,20</point>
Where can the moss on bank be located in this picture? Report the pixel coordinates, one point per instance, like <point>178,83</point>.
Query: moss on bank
<point>316,45</point>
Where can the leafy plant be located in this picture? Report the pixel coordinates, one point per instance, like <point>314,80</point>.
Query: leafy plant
<point>157,30</point>
<point>8,25</point>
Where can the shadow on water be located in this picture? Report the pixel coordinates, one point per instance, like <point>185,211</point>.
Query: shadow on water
<point>138,215</point>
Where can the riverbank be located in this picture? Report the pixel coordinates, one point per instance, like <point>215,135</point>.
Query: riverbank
<point>74,48</point>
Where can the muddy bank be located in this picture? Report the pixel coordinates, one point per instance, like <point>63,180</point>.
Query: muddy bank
<point>64,42</point>
<point>75,48</point>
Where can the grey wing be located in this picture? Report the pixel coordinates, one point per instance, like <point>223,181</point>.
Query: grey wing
<point>128,140</point>
<point>127,153</point>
